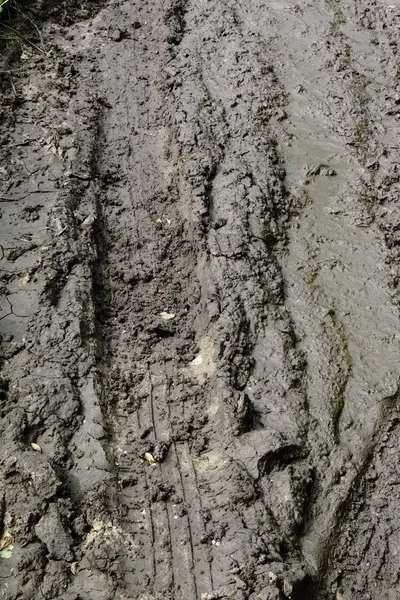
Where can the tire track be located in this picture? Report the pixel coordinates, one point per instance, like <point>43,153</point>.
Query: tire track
<point>154,276</point>
<point>337,284</point>
<point>160,561</point>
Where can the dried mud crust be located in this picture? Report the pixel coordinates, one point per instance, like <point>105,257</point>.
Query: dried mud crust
<point>199,384</point>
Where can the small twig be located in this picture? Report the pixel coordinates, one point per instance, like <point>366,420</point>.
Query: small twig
<point>21,239</point>
<point>6,199</point>
<point>10,70</point>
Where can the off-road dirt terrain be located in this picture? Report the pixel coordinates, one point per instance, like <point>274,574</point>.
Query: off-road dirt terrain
<point>199,309</point>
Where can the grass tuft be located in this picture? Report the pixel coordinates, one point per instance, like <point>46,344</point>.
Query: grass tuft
<point>18,25</point>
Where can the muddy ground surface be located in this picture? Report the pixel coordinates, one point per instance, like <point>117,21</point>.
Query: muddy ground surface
<point>199,309</point>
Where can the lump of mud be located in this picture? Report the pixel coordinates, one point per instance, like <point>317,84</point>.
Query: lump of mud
<point>52,533</point>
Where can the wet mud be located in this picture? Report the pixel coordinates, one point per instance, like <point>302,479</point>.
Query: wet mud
<point>199,320</point>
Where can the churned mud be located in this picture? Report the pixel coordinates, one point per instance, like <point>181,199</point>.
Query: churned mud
<point>200,342</point>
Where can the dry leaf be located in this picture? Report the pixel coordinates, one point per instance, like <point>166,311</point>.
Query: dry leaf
<point>150,458</point>
<point>88,222</point>
<point>74,568</point>
<point>36,447</point>
<point>167,316</point>
<point>6,540</point>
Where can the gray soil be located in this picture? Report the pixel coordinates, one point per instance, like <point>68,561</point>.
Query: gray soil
<point>199,308</point>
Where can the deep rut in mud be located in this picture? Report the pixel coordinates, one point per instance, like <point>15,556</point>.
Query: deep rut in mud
<point>200,354</point>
